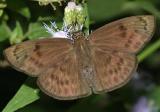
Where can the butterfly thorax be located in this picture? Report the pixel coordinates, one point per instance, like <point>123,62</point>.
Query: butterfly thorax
<point>77,35</point>
<point>82,49</point>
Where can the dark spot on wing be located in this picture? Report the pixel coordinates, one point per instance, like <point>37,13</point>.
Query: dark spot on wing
<point>123,34</point>
<point>53,77</point>
<point>35,61</point>
<point>66,82</point>
<point>55,66</point>
<point>38,53</point>
<point>127,45</point>
<point>116,71</point>
<point>136,31</point>
<point>62,69</point>
<point>129,41</point>
<point>144,23</point>
<point>37,47</point>
<point>119,68</point>
<point>37,50</point>
<point>122,27</point>
<point>61,82</point>
<point>121,60</point>
<point>110,71</point>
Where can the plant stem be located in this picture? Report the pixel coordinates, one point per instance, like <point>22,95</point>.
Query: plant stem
<point>149,50</point>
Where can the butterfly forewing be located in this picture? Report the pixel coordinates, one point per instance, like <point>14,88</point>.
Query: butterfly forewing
<point>33,57</point>
<point>128,34</point>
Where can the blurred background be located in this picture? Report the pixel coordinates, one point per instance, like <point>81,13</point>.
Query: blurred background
<point>22,20</point>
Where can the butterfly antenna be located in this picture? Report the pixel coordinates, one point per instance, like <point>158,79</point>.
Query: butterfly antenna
<point>49,30</point>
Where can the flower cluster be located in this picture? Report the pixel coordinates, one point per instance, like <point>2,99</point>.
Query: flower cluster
<point>46,2</point>
<point>74,16</point>
<point>73,21</point>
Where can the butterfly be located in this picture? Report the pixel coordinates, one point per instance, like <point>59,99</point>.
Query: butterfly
<point>69,69</point>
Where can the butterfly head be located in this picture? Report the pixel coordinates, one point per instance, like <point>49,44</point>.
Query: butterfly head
<point>77,35</point>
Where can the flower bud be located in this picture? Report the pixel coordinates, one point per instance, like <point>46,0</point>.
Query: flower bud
<point>74,16</point>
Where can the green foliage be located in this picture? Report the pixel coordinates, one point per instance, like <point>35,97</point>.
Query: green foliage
<point>17,34</point>
<point>155,95</point>
<point>23,97</point>
<point>21,20</point>
<point>5,31</point>
<point>39,29</point>
<point>2,6</point>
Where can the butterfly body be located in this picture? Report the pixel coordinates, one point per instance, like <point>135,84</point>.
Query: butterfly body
<point>83,53</point>
<point>70,69</point>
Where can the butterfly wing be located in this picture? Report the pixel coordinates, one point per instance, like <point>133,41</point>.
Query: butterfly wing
<point>33,57</point>
<point>113,69</point>
<point>128,34</point>
<point>64,81</point>
<point>113,49</point>
<point>54,62</point>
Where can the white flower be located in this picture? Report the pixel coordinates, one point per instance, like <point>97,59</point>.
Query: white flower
<point>64,32</point>
<point>60,34</point>
<point>71,5</point>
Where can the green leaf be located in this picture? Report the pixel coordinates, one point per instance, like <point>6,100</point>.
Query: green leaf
<point>144,5</point>
<point>155,95</point>
<point>2,5</point>
<point>25,12</point>
<point>5,31</point>
<point>1,12</point>
<point>36,30</point>
<point>149,7</point>
<point>104,9</point>
<point>17,34</point>
<point>23,97</point>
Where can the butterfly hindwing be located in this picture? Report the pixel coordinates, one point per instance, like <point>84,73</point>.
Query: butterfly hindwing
<point>64,81</point>
<point>113,69</point>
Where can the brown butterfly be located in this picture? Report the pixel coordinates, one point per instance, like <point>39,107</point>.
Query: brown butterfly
<point>70,69</point>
